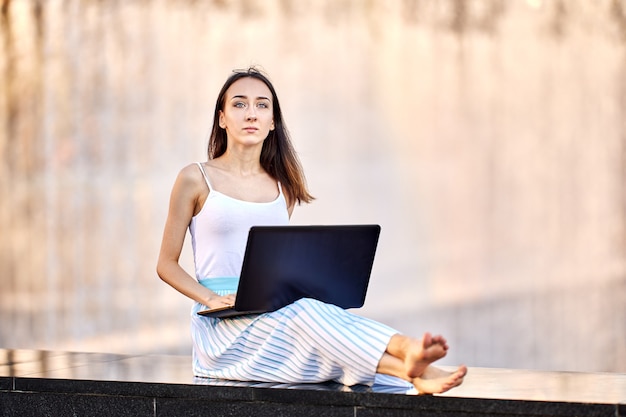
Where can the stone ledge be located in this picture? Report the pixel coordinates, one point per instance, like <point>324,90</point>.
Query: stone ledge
<point>65,383</point>
<point>109,398</point>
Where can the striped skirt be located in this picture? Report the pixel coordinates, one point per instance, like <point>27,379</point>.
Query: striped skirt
<point>305,342</point>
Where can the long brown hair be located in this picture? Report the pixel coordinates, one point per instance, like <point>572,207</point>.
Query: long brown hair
<point>278,156</point>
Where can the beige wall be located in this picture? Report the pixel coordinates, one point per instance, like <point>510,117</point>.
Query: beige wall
<point>488,138</point>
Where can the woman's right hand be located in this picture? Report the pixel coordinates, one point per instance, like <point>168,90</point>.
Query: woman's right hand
<point>221,301</point>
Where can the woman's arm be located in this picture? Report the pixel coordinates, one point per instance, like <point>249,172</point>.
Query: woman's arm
<point>188,188</point>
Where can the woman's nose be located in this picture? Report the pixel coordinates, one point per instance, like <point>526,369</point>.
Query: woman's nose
<point>251,114</point>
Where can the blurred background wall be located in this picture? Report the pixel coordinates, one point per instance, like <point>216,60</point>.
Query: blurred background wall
<point>487,137</point>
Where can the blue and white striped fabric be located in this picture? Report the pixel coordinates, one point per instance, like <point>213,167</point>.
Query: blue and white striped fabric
<point>305,342</point>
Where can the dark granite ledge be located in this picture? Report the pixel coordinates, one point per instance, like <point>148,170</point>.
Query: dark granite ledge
<point>134,399</point>
<point>65,383</point>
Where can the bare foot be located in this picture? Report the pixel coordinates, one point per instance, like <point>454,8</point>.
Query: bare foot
<point>435,380</point>
<point>421,353</point>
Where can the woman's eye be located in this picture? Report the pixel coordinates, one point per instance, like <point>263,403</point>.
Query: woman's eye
<point>263,105</point>
<point>240,104</point>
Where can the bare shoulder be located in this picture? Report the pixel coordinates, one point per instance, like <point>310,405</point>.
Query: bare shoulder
<point>190,175</point>
<point>190,181</point>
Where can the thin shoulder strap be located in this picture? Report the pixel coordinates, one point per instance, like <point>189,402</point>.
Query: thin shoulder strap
<point>206,179</point>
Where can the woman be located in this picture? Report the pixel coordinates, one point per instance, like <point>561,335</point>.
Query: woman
<point>253,177</point>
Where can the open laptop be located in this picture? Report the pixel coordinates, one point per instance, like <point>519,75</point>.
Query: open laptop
<point>285,263</point>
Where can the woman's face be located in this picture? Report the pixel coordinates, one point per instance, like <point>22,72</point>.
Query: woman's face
<point>248,116</point>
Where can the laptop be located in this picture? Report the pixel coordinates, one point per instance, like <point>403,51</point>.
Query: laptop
<point>282,264</point>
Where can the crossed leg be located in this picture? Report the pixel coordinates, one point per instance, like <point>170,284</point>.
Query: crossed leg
<point>410,359</point>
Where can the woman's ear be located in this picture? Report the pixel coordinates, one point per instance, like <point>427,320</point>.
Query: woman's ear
<point>221,122</point>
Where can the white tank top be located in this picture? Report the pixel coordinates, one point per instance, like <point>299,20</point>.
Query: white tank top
<point>219,232</point>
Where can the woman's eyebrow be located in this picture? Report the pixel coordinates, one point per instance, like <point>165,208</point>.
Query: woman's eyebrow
<point>245,97</point>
